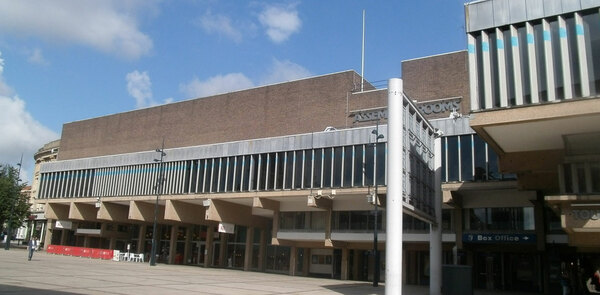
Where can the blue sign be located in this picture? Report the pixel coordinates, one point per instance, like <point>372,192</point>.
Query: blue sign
<point>488,238</point>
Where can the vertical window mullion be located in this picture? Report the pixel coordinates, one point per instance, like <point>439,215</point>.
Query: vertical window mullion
<point>258,165</point>
<point>276,171</point>
<point>584,71</point>
<point>533,73</point>
<point>502,79</point>
<point>549,59</point>
<point>516,62</point>
<point>460,177</point>
<point>226,174</point>
<point>322,165</point>
<point>293,185</point>
<point>565,57</point>
<point>312,168</point>
<point>487,71</point>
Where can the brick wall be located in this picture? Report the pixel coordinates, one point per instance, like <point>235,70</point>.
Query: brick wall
<point>301,106</point>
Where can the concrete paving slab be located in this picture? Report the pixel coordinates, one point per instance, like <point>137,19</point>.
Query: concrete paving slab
<point>64,275</point>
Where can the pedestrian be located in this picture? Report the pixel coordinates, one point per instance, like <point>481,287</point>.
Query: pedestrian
<point>32,246</point>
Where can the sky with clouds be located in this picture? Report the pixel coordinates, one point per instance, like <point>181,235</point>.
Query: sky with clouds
<point>68,60</point>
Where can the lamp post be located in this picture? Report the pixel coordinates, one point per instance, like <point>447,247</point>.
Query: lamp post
<point>158,187</point>
<point>375,199</point>
<point>8,225</point>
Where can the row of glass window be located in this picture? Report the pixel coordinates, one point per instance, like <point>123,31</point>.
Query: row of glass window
<point>559,54</point>
<point>351,221</point>
<point>469,158</point>
<point>580,178</point>
<point>332,167</point>
<point>514,218</point>
<point>475,219</point>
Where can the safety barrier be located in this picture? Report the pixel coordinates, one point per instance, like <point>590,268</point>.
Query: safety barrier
<point>80,251</point>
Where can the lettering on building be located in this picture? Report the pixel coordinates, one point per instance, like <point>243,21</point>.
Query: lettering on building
<point>498,238</point>
<point>586,214</point>
<point>439,106</point>
<point>370,115</point>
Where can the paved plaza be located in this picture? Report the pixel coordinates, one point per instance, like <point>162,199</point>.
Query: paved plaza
<point>57,275</point>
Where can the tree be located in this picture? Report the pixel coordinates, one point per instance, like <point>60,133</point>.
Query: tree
<point>14,206</point>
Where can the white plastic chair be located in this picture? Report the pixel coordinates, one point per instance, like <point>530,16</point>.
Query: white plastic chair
<point>138,257</point>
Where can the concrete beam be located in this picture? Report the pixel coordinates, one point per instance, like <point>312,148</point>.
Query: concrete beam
<point>113,212</point>
<point>320,202</point>
<point>81,211</point>
<point>222,211</point>
<point>57,211</point>
<point>329,243</point>
<point>143,211</point>
<point>264,203</point>
<point>543,161</point>
<point>185,212</point>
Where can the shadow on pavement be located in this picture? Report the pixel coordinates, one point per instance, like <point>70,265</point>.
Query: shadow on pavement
<point>9,289</point>
<point>355,289</point>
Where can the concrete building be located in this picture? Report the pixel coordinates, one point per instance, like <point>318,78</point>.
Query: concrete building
<point>37,222</point>
<point>273,178</point>
<point>534,79</point>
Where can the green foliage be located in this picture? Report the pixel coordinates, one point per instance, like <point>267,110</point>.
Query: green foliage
<point>14,206</point>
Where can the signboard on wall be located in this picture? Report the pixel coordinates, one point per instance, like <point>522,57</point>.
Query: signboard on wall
<point>227,228</point>
<point>64,224</point>
<point>489,238</point>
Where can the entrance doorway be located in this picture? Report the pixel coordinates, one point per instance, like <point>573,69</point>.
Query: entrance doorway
<point>507,271</point>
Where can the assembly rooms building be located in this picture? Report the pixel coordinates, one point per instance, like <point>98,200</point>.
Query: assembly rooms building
<point>275,178</point>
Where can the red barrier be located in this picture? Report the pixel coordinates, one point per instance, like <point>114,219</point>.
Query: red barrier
<point>77,251</point>
<point>96,253</point>
<point>86,252</point>
<point>105,254</point>
<point>51,249</point>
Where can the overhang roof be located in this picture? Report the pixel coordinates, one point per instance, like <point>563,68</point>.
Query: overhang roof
<point>536,127</point>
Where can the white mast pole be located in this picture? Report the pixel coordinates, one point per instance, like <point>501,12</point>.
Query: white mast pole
<point>362,60</point>
<point>395,204</point>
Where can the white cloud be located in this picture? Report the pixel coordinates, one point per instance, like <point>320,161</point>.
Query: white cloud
<point>215,85</point>
<point>221,25</point>
<point>21,134</point>
<point>280,22</point>
<point>5,90</point>
<point>108,26</point>
<point>140,87</point>
<point>36,57</point>
<point>281,71</point>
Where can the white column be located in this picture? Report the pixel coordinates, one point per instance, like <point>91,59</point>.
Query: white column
<point>549,58</point>
<point>473,87</point>
<point>516,54</point>
<point>501,56</point>
<point>582,56</point>
<point>435,231</point>
<point>533,74</point>
<point>393,244</point>
<point>487,71</point>
<point>565,58</point>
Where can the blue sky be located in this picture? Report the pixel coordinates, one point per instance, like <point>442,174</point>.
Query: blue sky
<point>68,60</point>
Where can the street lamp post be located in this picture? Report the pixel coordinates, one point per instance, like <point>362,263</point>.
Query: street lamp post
<point>375,200</point>
<point>8,225</point>
<point>158,188</point>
